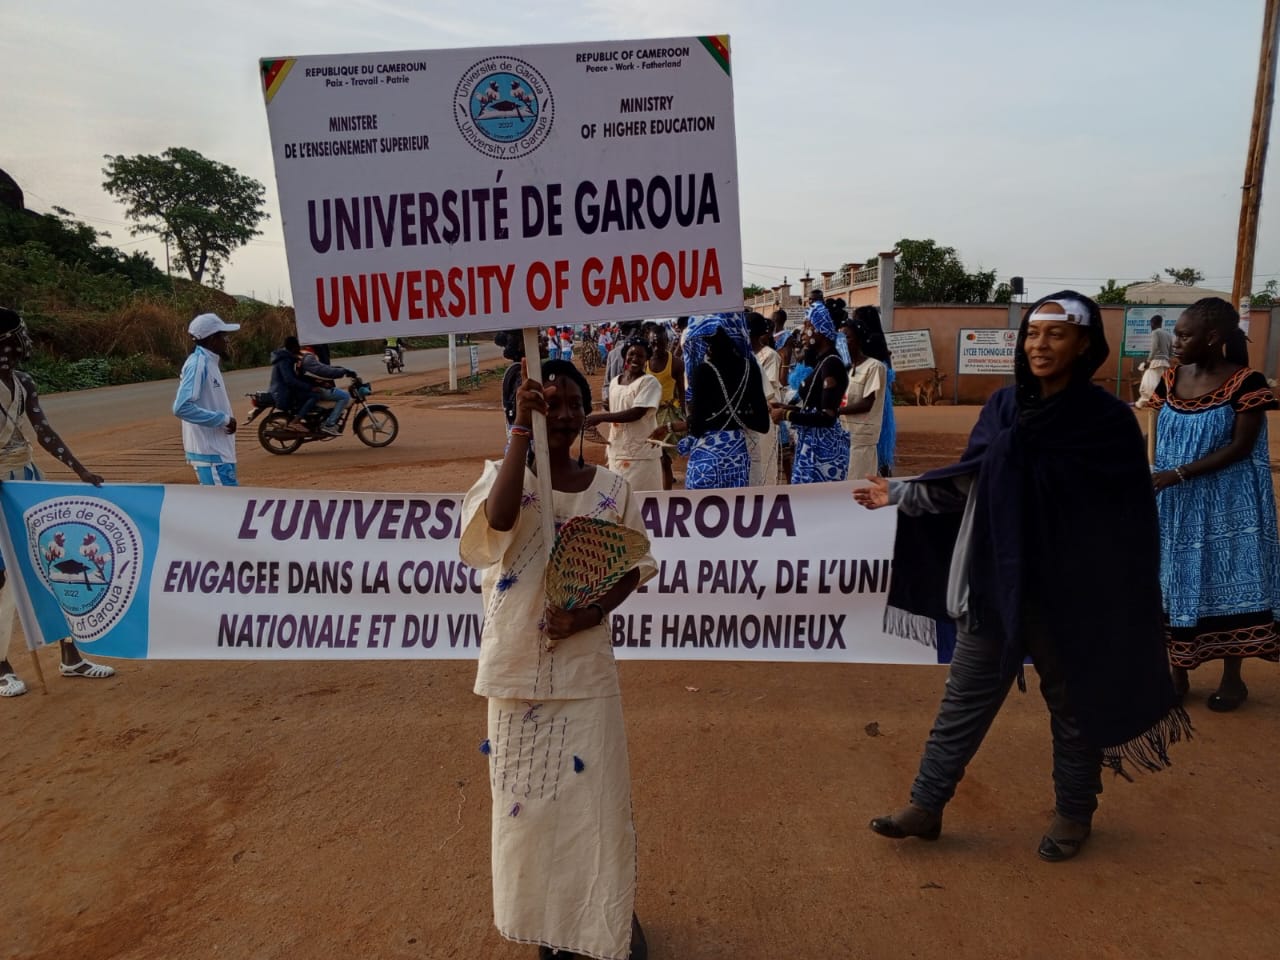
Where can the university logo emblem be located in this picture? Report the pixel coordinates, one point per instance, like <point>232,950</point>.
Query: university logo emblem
<point>88,555</point>
<point>504,108</point>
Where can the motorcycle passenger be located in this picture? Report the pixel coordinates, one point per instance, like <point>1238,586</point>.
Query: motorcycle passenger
<point>322,377</point>
<point>289,392</point>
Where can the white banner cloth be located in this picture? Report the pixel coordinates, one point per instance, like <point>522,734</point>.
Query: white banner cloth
<point>223,573</point>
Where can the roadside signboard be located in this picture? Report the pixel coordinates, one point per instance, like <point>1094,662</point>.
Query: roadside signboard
<point>987,351</point>
<point>1137,327</point>
<point>911,349</point>
<point>489,188</point>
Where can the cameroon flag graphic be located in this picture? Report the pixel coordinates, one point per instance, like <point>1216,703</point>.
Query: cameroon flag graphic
<point>273,74</point>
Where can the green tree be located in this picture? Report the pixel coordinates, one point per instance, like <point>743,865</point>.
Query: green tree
<point>1184,276</point>
<point>76,244</point>
<point>752,290</point>
<point>928,273</point>
<point>1113,293</point>
<point>204,208</point>
<point>1003,294</point>
<point>49,261</point>
<point>1268,297</point>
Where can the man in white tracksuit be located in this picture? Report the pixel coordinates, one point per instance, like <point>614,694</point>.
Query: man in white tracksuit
<point>208,425</point>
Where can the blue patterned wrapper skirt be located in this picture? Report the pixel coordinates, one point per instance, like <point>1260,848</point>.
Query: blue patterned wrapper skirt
<point>720,458</point>
<point>822,454</point>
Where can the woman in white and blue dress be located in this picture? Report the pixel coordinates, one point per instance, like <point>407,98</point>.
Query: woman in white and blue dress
<point>822,442</point>
<point>563,841</point>
<point>724,398</point>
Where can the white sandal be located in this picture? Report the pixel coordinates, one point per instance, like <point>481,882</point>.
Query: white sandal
<point>87,668</point>
<point>11,686</point>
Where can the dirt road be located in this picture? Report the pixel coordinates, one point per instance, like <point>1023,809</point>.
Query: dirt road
<point>279,811</point>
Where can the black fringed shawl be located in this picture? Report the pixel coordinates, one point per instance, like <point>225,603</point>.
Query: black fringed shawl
<point>1065,520</point>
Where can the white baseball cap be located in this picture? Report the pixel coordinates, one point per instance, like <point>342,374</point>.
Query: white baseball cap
<point>1073,311</point>
<point>207,324</point>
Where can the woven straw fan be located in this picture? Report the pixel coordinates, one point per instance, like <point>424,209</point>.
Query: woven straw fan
<point>590,555</point>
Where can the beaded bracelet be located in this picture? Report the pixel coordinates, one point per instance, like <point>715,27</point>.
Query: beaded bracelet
<point>1182,476</point>
<point>519,431</point>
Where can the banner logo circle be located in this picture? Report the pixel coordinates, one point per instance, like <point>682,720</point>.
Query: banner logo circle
<point>504,108</point>
<point>88,554</point>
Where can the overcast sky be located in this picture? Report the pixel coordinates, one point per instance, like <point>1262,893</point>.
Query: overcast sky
<point>1066,142</point>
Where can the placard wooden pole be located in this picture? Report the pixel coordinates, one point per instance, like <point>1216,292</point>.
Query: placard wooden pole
<point>35,662</point>
<point>541,455</point>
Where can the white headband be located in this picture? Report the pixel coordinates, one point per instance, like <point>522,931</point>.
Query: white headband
<point>1073,311</point>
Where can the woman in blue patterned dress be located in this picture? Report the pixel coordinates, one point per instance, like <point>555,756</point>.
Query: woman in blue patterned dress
<point>1220,558</point>
<point>822,442</point>
<point>724,402</point>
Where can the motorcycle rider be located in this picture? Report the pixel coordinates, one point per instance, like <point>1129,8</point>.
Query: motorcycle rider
<point>393,343</point>
<point>322,377</point>
<point>290,392</point>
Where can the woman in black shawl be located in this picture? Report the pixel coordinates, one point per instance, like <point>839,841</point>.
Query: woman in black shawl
<point>1050,526</point>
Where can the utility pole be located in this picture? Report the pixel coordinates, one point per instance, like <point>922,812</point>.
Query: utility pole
<point>453,363</point>
<point>1255,162</point>
<point>167,271</point>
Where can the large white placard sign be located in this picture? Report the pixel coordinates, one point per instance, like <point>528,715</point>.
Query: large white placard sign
<point>478,189</point>
<point>183,572</point>
<point>986,351</point>
<point>911,350</point>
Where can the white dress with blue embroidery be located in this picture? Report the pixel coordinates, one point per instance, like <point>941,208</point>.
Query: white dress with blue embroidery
<point>563,843</point>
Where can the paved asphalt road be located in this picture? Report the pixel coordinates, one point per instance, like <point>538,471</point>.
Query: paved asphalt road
<point>96,409</point>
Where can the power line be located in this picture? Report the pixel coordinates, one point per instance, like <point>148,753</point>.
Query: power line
<point>773,266</point>
<point>114,223</point>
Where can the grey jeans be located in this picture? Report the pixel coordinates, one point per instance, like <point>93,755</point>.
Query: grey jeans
<point>976,688</point>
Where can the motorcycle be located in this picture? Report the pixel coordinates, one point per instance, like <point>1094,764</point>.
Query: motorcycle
<point>393,357</point>
<point>373,423</point>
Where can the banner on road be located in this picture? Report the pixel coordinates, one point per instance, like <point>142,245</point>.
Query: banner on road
<point>183,572</point>
<point>448,191</point>
<point>986,351</point>
<point>911,349</point>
